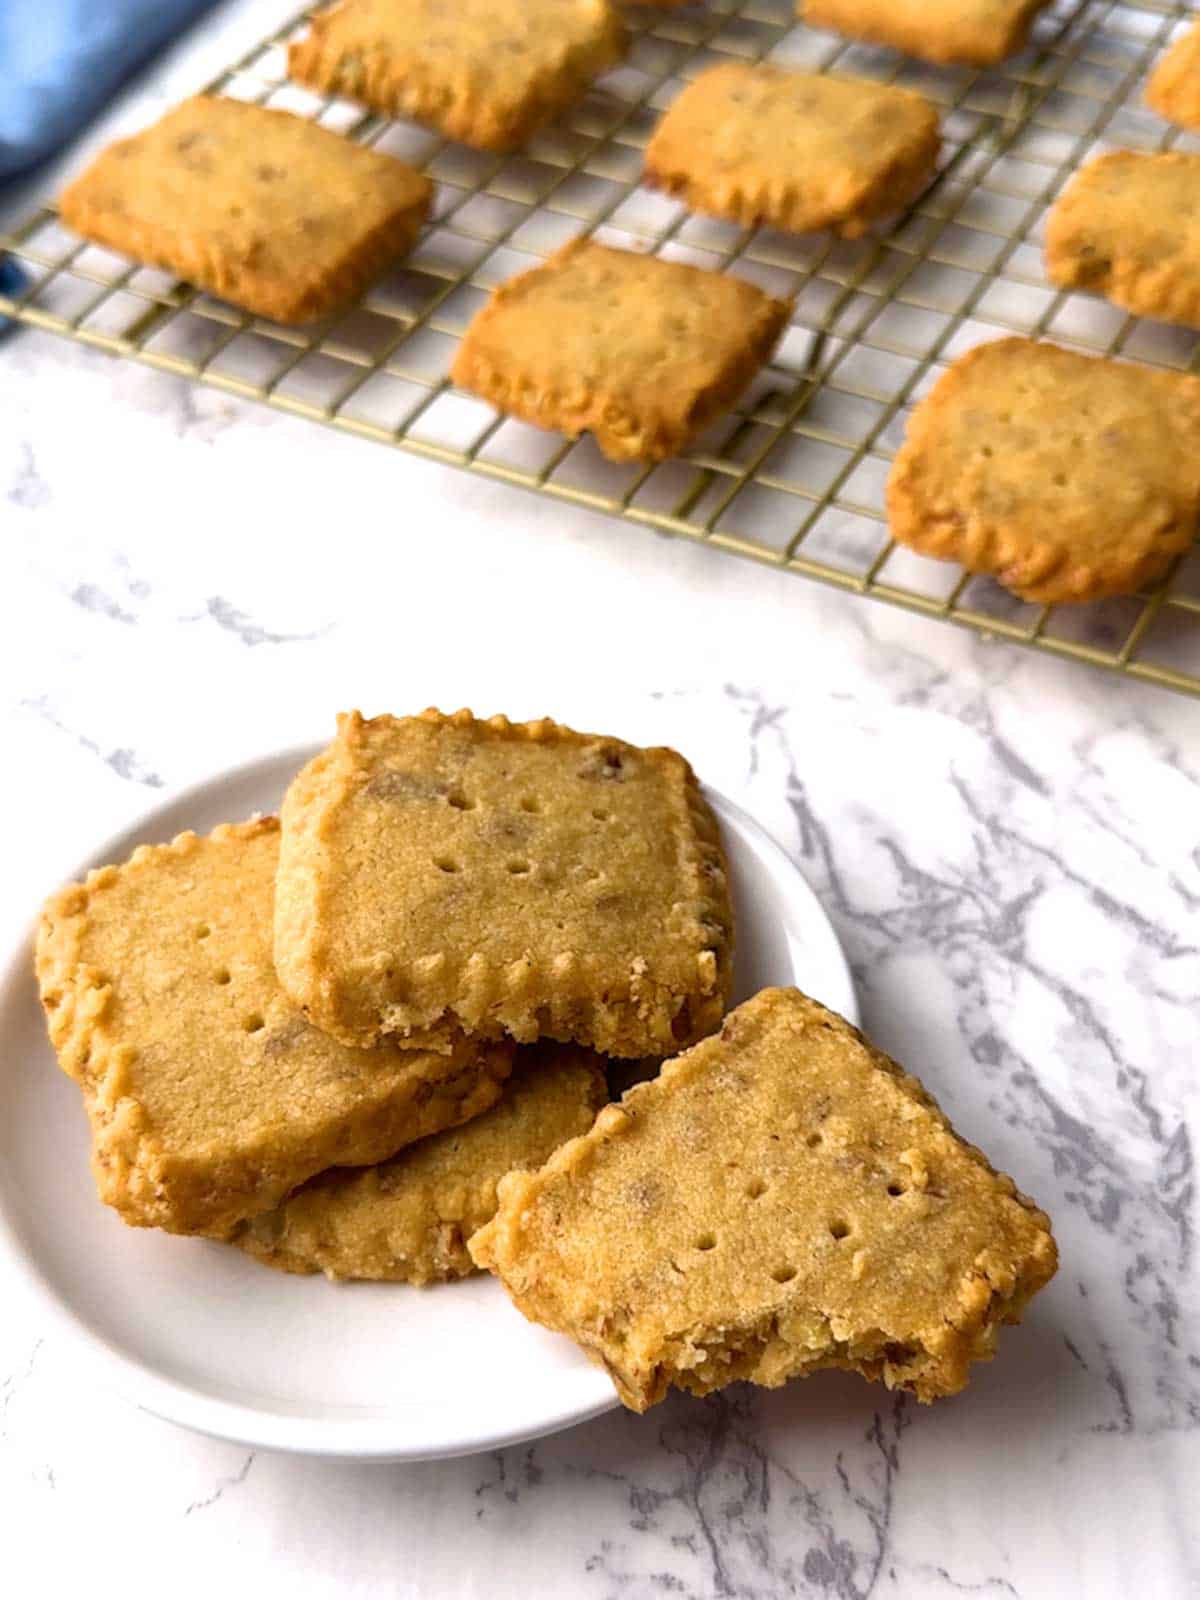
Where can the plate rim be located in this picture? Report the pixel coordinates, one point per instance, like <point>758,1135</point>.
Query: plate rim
<point>239,1422</point>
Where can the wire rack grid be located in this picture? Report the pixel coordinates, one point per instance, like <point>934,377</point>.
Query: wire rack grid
<point>794,475</point>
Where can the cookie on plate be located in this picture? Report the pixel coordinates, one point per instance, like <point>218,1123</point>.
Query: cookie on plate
<point>1125,228</point>
<point>975,33</point>
<point>795,150</point>
<point>261,207</point>
<point>642,352</point>
<point>444,873</point>
<point>1067,477</point>
<point>209,1096</point>
<point>1174,87</point>
<point>408,1219</point>
<point>487,72</point>
<point>781,1198</point>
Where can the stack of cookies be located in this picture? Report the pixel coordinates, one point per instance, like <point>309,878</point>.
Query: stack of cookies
<point>370,1039</point>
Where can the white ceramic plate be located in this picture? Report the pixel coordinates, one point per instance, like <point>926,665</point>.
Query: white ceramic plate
<point>201,1334</point>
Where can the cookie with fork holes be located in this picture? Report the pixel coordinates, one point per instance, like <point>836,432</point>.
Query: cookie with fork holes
<point>1066,477</point>
<point>441,874</point>
<point>208,1094</point>
<point>487,72</point>
<point>643,353</point>
<point>977,33</point>
<point>795,150</point>
<point>407,1220</point>
<point>260,207</point>
<point>1126,227</point>
<point>1173,89</point>
<point>782,1198</point>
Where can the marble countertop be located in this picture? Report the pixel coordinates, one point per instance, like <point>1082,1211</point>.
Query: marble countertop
<point>1007,845</point>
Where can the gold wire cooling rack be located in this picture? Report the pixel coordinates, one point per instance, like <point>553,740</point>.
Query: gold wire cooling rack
<point>793,477</point>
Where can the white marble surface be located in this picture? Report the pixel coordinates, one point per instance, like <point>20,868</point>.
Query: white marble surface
<point>1007,844</point>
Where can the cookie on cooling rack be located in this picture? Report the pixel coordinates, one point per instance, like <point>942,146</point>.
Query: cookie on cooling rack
<point>1067,477</point>
<point>442,874</point>
<point>408,1219</point>
<point>1174,87</point>
<point>795,150</point>
<point>780,1199</point>
<point>1125,228</point>
<point>209,1095</point>
<point>968,32</point>
<point>487,72</point>
<point>642,352</point>
<point>261,207</point>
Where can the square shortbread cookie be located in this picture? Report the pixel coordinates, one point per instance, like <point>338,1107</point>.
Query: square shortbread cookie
<point>1127,227</point>
<point>1066,477</point>
<point>440,873</point>
<point>488,72</point>
<point>796,150</point>
<point>1174,87</point>
<point>209,1096</point>
<point>781,1198</point>
<point>642,352</point>
<point>260,207</point>
<point>408,1219</point>
<point>970,32</point>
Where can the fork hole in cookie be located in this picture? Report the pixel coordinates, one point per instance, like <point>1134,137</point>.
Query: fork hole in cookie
<point>460,801</point>
<point>895,1189</point>
<point>783,1274</point>
<point>814,1140</point>
<point>445,864</point>
<point>839,1228</point>
<point>755,1189</point>
<point>222,976</point>
<point>706,1241</point>
<point>254,1023</point>
<point>600,814</point>
<point>518,869</point>
<point>202,930</point>
<point>531,804</point>
<point>1059,480</point>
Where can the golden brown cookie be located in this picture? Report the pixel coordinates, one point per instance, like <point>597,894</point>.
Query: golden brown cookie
<point>488,72</point>
<point>1066,477</point>
<point>408,1219</point>
<point>970,32</point>
<point>261,207</point>
<point>209,1096</point>
<point>796,150</point>
<point>780,1199</point>
<point>1127,227</point>
<point>643,352</point>
<point>441,873</point>
<point>1174,87</point>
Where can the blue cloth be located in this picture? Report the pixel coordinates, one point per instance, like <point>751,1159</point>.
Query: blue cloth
<point>12,281</point>
<point>60,60</point>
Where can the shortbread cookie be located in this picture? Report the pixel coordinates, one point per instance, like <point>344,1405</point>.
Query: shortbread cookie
<point>796,150</point>
<point>1066,477</point>
<point>441,873</point>
<point>781,1198</point>
<point>968,32</point>
<point>643,352</point>
<point>1126,227</point>
<point>408,1219</point>
<point>1174,87</point>
<point>488,72</point>
<point>209,1096</point>
<point>261,207</point>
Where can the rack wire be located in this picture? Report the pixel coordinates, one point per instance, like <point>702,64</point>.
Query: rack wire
<point>794,475</point>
